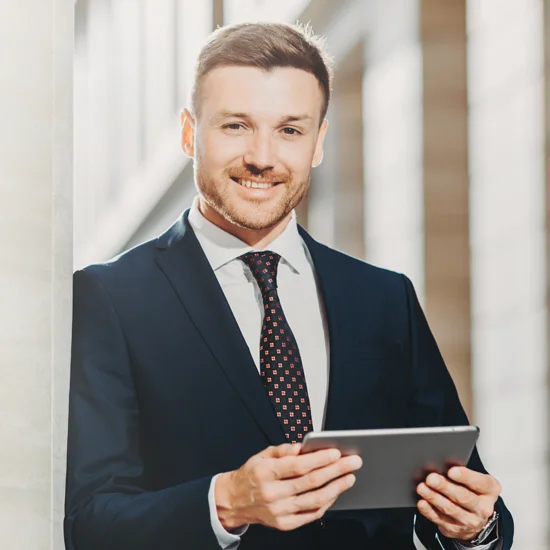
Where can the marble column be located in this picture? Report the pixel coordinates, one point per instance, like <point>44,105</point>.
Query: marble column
<point>36,55</point>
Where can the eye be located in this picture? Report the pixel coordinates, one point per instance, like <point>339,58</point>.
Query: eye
<point>291,131</point>
<point>233,126</point>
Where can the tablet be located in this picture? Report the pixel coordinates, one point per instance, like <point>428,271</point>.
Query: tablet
<point>394,461</point>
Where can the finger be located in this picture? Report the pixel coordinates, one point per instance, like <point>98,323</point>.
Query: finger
<point>279,451</point>
<point>319,498</point>
<point>295,466</point>
<point>321,476</point>
<point>294,521</point>
<point>434,515</point>
<point>442,504</point>
<point>482,484</point>
<point>460,495</point>
<point>280,492</point>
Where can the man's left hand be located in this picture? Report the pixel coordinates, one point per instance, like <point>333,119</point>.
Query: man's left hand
<point>461,504</point>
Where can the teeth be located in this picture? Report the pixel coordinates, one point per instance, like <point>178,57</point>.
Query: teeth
<point>255,185</point>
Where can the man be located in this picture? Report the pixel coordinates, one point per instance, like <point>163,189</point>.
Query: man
<point>201,359</point>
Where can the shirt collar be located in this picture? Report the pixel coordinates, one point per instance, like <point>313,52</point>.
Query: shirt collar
<point>220,247</point>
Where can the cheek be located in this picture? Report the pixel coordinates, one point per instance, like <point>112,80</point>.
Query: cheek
<point>217,152</point>
<point>297,158</point>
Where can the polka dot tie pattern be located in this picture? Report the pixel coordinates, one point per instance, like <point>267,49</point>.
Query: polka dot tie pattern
<point>280,362</point>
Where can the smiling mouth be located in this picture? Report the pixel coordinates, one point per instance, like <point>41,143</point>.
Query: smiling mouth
<point>255,184</point>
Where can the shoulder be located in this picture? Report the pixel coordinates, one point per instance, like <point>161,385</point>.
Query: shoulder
<point>137,263</point>
<point>128,268</point>
<point>358,281</point>
<point>355,269</point>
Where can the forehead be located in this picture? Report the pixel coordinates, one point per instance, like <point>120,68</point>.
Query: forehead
<point>280,92</point>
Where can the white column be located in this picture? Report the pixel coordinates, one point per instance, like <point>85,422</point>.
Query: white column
<point>159,72</point>
<point>394,211</point>
<point>509,301</point>
<point>36,55</point>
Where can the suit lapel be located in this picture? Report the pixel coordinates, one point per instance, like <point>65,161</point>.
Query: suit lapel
<point>186,267</point>
<point>328,272</point>
<point>328,268</point>
<point>184,264</point>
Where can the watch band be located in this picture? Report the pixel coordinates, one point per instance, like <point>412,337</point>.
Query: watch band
<point>486,531</point>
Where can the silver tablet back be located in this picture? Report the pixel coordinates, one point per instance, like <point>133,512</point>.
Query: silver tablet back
<point>395,461</point>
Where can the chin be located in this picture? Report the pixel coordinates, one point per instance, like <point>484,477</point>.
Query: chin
<point>256,218</point>
<point>255,223</point>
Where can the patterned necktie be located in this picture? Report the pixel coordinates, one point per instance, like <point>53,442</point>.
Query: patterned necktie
<point>280,363</point>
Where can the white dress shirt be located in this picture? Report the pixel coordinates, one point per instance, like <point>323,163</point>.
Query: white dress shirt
<point>302,303</point>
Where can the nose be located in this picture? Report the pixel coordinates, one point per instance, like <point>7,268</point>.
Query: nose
<point>260,151</point>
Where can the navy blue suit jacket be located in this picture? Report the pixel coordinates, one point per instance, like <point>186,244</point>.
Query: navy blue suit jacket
<point>165,394</point>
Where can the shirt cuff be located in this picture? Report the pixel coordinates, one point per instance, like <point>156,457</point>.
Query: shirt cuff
<point>226,540</point>
<point>489,546</point>
<point>419,546</point>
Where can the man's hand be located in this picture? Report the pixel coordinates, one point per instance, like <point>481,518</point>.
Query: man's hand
<point>459,506</point>
<point>282,489</point>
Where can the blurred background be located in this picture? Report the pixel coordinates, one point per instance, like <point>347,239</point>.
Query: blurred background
<point>434,166</point>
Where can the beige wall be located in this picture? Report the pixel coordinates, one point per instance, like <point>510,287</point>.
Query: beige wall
<point>446,185</point>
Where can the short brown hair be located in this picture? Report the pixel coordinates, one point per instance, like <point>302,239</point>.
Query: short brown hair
<point>265,46</point>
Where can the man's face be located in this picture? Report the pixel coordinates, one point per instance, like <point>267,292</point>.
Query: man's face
<point>254,142</point>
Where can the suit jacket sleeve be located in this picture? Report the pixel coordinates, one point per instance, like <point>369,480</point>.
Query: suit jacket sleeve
<point>435,402</point>
<point>108,504</point>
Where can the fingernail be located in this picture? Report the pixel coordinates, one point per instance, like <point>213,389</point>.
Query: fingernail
<point>355,461</point>
<point>454,473</point>
<point>434,481</point>
<point>422,490</point>
<point>334,454</point>
<point>351,480</point>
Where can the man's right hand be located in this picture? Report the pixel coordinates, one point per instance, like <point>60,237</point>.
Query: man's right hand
<point>283,489</point>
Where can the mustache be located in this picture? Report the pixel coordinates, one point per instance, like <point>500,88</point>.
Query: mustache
<point>266,177</point>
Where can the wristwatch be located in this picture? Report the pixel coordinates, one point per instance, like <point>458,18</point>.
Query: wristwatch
<point>487,530</point>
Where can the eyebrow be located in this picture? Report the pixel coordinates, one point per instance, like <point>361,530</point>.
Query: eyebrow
<point>284,119</point>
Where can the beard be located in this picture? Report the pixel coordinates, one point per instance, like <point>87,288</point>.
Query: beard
<point>252,214</point>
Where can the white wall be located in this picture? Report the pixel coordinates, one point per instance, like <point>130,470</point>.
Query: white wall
<point>134,63</point>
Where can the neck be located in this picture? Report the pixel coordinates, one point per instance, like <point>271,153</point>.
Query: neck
<point>256,238</point>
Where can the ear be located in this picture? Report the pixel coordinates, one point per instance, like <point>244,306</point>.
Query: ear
<point>187,133</point>
<point>318,154</point>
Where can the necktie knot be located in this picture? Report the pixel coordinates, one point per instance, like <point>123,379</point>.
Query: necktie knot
<point>263,266</point>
